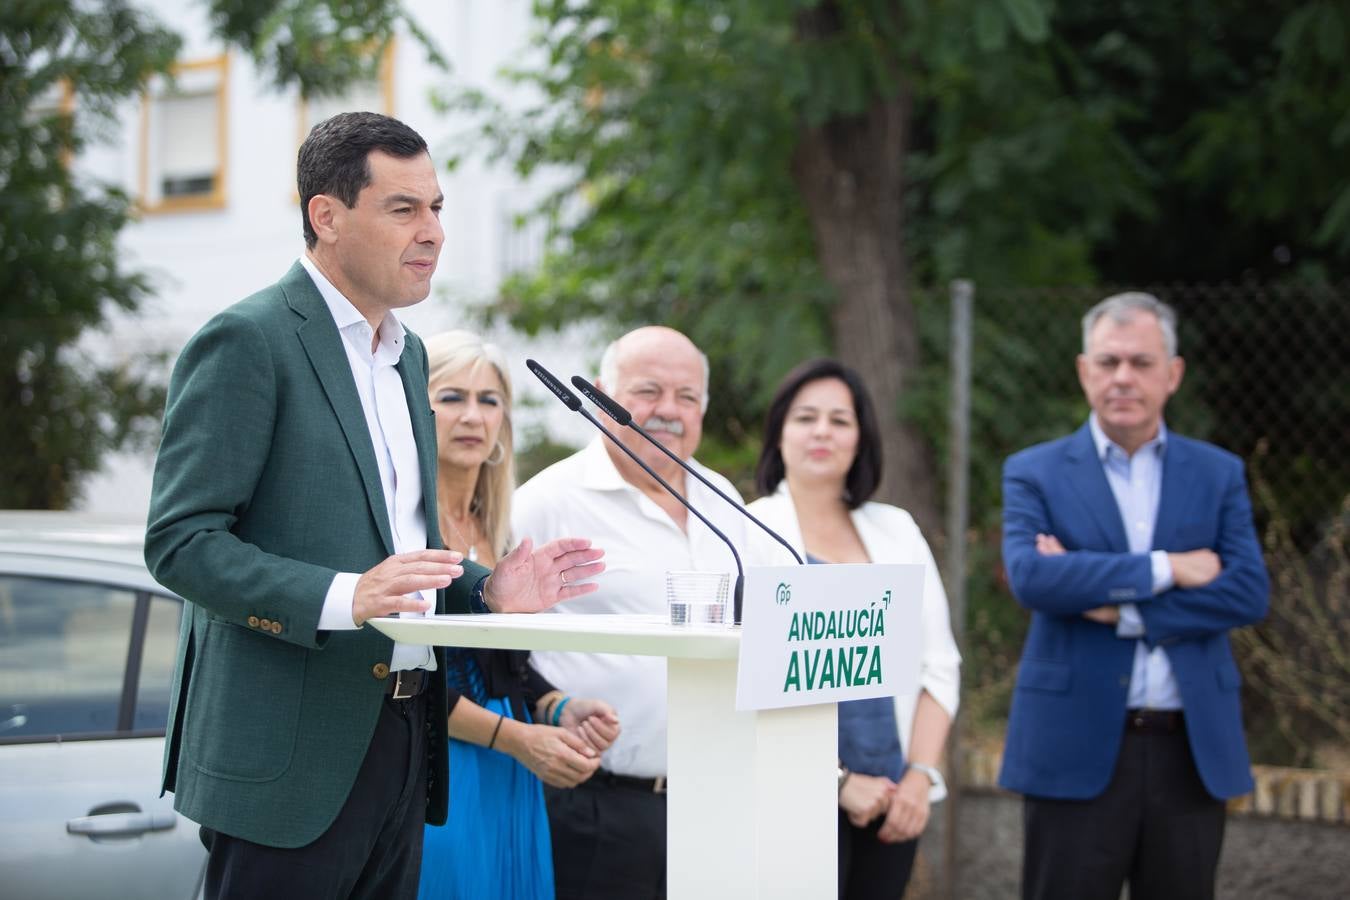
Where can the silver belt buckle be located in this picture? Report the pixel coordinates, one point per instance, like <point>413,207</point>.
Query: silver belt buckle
<point>659,784</point>
<point>398,686</point>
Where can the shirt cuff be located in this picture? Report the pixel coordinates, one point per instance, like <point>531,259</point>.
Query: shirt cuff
<point>476,602</point>
<point>1131,624</point>
<point>337,604</point>
<point>1162,571</point>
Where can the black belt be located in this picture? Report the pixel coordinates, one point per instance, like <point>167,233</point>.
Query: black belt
<point>1154,721</point>
<point>655,785</point>
<point>406,683</point>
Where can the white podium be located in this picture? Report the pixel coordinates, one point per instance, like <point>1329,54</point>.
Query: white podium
<point>752,805</point>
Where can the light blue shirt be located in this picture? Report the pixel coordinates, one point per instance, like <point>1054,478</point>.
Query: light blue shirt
<point>1136,482</point>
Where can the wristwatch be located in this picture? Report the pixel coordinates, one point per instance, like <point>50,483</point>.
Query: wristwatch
<point>938,786</point>
<point>843,775</point>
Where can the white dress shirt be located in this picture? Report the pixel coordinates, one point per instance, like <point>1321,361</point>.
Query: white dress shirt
<point>585,496</point>
<point>1136,483</point>
<point>889,535</point>
<point>385,405</point>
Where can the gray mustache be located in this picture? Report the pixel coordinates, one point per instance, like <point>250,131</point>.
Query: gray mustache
<point>656,423</point>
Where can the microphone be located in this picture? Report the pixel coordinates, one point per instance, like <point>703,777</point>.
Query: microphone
<point>573,402</point>
<point>624,417</point>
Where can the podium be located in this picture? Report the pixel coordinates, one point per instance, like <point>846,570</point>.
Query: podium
<point>753,800</point>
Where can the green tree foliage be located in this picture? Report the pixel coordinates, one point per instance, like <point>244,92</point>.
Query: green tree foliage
<point>1239,116</point>
<point>59,266</point>
<point>319,45</point>
<point>676,129</point>
<point>1042,144</point>
<point>773,178</point>
<point>780,179</point>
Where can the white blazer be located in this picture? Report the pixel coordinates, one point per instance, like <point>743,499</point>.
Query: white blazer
<point>890,535</point>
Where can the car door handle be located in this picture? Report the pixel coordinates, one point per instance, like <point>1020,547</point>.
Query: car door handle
<point>121,824</point>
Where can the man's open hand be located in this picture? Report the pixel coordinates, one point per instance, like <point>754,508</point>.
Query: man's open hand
<point>392,586</point>
<point>529,580</point>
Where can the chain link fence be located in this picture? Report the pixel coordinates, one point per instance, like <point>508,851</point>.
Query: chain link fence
<point>1267,377</point>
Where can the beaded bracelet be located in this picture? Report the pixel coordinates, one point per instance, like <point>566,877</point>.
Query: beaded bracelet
<point>557,712</point>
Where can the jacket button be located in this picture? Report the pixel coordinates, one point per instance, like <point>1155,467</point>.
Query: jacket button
<point>380,670</point>
<point>252,621</point>
<point>265,624</point>
<point>276,628</point>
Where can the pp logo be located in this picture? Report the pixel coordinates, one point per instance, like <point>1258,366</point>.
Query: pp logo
<point>783,594</point>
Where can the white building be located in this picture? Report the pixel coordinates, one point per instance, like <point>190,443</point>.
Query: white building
<point>211,162</point>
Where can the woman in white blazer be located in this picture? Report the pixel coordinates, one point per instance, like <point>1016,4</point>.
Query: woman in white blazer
<point>820,462</point>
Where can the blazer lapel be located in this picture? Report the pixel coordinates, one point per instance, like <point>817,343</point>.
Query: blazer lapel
<point>1084,471</point>
<point>411,369</point>
<point>1178,479</point>
<point>319,336</point>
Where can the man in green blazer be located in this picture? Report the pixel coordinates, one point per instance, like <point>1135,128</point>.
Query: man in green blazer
<point>294,498</point>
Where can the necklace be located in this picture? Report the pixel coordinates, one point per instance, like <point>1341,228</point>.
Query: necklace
<point>472,553</point>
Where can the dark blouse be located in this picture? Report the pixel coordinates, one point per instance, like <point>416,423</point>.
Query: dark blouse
<point>483,674</point>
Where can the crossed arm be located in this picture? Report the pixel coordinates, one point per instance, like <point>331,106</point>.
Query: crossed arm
<point>1213,590</point>
<point>1191,569</point>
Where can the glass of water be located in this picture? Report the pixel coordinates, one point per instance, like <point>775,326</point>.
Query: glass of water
<point>698,598</point>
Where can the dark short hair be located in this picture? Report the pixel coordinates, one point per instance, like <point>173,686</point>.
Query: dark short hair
<point>865,473</point>
<point>335,158</point>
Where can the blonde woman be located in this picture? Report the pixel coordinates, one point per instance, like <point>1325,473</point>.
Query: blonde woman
<point>509,729</point>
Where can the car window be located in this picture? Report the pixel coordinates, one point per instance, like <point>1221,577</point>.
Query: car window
<point>63,654</point>
<point>160,650</point>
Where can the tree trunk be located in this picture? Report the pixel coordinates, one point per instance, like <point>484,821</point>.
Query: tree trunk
<point>850,174</point>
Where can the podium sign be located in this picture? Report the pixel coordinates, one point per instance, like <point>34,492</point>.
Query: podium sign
<point>825,633</point>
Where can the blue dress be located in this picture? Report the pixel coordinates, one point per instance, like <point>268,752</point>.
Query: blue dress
<point>495,842</point>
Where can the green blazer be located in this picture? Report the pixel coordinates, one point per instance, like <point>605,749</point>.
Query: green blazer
<point>266,486</point>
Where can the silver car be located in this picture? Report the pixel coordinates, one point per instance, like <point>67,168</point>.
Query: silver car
<point>87,646</point>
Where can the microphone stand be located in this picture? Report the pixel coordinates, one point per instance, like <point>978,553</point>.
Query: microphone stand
<point>624,417</point>
<point>573,402</point>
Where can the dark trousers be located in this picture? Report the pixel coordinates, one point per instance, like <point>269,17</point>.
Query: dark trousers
<point>373,849</point>
<point>609,841</point>
<point>868,868</point>
<point>1155,825</point>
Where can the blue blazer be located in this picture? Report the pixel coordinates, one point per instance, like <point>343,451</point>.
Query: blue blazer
<point>1068,708</point>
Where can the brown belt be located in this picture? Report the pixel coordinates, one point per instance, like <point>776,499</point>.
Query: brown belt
<point>1154,721</point>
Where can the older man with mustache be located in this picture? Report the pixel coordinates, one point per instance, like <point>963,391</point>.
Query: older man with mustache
<point>609,835</point>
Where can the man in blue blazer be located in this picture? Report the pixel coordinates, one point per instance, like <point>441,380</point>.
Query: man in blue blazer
<point>1135,551</point>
